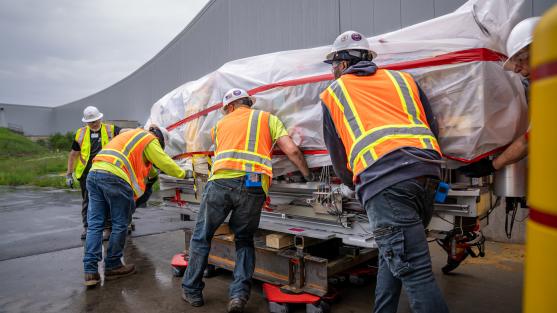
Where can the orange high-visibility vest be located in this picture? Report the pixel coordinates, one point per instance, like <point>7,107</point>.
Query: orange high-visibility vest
<point>243,142</point>
<point>126,152</point>
<point>377,114</point>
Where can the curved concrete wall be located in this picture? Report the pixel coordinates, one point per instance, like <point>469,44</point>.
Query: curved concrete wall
<point>226,30</point>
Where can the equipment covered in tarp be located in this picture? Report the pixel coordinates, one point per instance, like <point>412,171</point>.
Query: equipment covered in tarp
<point>455,58</point>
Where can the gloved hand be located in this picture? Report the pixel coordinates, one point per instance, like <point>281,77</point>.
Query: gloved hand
<point>151,181</point>
<point>311,177</point>
<point>481,168</point>
<point>347,192</point>
<point>69,180</point>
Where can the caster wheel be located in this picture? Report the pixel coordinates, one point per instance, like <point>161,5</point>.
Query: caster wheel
<point>356,280</point>
<point>275,307</point>
<point>210,271</point>
<point>320,307</point>
<point>178,271</point>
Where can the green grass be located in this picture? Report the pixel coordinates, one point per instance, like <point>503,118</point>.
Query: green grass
<point>46,170</point>
<point>24,162</point>
<point>14,145</point>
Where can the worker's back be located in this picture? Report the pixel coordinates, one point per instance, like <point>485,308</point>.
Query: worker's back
<point>243,142</point>
<point>377,114</point>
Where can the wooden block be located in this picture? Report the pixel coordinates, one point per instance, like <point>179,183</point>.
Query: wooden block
<point>279,241</point>
<point>223,230</point>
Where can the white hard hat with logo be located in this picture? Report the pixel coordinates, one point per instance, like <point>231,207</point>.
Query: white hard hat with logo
<point>520,37</point>
<point>91,114</point>
<point>349,40</point>
<point>235,94</point>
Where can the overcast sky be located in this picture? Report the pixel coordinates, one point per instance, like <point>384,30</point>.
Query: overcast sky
<point>54,52</point>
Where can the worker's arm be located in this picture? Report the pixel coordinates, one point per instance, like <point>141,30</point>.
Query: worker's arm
<point>280,136</point>
<point>154,153</point>
<point>287,145</point>
<point>336,149</point>
<point>514,153</point>
<point>72,156</point>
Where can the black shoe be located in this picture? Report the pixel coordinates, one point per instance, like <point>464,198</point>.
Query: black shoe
<point>193,300</point>
<point>84,233</point>
<point>236,305</point>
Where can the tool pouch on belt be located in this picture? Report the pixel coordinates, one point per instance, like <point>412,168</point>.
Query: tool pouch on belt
<point>253,180</point>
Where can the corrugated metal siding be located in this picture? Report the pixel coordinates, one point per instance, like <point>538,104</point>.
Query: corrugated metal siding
<point>230,29</point>
<point>34,120</point>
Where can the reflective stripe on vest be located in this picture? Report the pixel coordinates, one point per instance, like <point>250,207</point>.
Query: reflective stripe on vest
<point>109,131</point>
<point>120,157</point>
<point>244,155</point>
<point>122,161</point>
<point>83,138</point>
<point>363,143</point>
<point>250,158</point>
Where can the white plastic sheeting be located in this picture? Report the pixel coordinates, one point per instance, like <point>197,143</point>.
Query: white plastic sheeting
<point>478,106</point>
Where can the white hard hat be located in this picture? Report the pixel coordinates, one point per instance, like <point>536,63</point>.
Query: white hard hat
<point>91,114</point>
<point>349,40</point>
<point>235,94</point>
<point>521,36</point>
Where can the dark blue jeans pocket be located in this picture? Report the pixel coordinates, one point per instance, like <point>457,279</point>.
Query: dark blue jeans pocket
<point>406,201</point>
<point>391,248</point>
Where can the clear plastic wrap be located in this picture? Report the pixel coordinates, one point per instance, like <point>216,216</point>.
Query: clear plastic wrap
<point>478,106</point>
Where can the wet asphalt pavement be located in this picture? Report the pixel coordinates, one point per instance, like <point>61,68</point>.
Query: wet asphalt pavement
<point>41,266</point>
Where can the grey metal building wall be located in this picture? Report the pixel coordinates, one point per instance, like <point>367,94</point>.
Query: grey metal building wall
<point>230,29</point>
<point>34,120</point>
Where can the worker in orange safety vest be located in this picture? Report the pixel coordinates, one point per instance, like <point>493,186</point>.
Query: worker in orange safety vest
<point>240,178</point>
<point>381,136</point>
<point>119,175</point>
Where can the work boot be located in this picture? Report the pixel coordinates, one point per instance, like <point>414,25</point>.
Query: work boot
<point>106,234</point>
<point>84,233</point>
<point>119,272</point>
<point>92,280</point>
<point>193,300</point>
<point>236,305</point>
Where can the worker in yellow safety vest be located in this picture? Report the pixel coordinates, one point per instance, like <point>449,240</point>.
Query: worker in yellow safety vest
<point>381,136</point>
<point>119,176</point>
<point>89,140</point>
<point>518,51</point>
<point>240,177</point>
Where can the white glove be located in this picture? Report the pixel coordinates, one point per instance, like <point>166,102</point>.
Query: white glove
<point>347,192</point>
<point>69,180</point>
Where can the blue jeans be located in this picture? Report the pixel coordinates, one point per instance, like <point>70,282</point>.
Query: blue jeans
<point>221,197</point>
<point>398,215</point>
<point>107,192</point>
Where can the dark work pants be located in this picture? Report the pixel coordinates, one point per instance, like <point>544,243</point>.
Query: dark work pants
<point>85,203</point>
<point>397,216</point>
<point>220,198</point>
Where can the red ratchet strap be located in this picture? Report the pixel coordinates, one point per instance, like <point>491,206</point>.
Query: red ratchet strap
<point>463,56</point>
<point>275,152</point>
<point>479,157</point>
